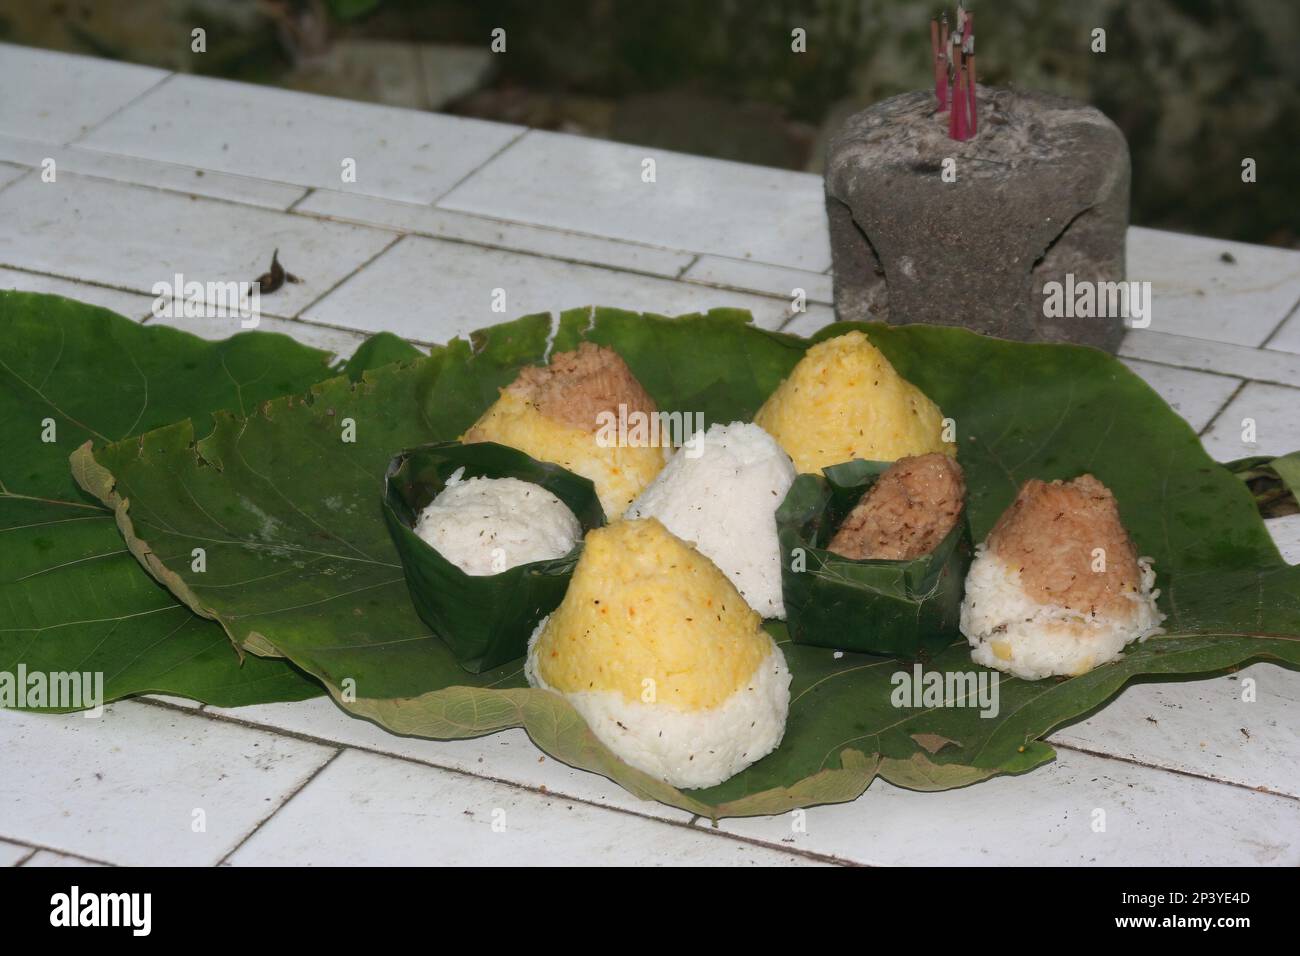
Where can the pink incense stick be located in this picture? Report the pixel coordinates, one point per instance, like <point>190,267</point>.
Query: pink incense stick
<point>968,48</point>
<point>959,107</point>
<point>953,116</point>
<point>942,64</point>
<point>940,81</point>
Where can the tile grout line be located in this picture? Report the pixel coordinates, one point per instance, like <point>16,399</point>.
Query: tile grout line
<point>127,105</point>
<point>37,847</point>
<point>338,752</point>
<point>789,319</point>
<point>1183,368</point>
<point>502,781</point>
<point>405,230</point>
<point>97,284</point>
<point>293,206</point>
<point>494,221</point>
<point>1133,761</point>
<point>317,323</point>
<point>433,203</point>
<point>1272,335</point>
<point>516,250</point>
<point>27,171</point>
<point>316,301</point>
<point>324,741</point>
<point>569,260</point>
<point>203,197</point>
<point>32,851</point>
<point>94,152</point>
<point>1223,408</point>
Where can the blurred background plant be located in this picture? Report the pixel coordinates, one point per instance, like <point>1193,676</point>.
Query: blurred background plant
<point>1196,85</point>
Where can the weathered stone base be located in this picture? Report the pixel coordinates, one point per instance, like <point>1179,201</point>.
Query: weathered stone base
<point>1040,192</point>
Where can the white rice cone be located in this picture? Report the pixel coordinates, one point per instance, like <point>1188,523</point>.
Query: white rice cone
<point>1010,631</point>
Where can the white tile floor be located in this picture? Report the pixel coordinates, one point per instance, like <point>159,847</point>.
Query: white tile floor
<point>55,98</point>
<point>550,179</point>
<point>1193,277</point>
<point>190,180</point>
<point>444,211</point>
<point>1260,420</point>
<point>301,139</point>
<point>432,290</point>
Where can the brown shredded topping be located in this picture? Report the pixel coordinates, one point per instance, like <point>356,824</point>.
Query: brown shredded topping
<point>909,510</point>
<point>1051,533</point>
<point>576,386</point>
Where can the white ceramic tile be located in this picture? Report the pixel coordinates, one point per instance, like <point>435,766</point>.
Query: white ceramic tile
<point>133,237</point>
<point>1197,396</point>
<point>298,138</point>
<point>342,343</point>
<point>1286,535</point>
<point>44,858</point>
<point>1196,293</point>
<point>759,277</point>
<point>1265,365</point>
<point>11,854</point>
<point>444,224</point>
<point>1287,338</point>
<point>1046,818</point>
<point>1205,728</point>
<point>56,97</point>
<point>130,304</point>
<point>432,290</point>
<point>808,322</point>
<point>9,172</point>
<point>370,810</point>
<point>124,787</point>
<point>145,172</point>
<point>1275,411</point>
<point>508,756</point>
<point>701,205</point>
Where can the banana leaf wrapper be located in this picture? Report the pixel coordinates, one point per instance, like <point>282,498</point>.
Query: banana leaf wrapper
<point>486,620</point>
<point>894,608</point>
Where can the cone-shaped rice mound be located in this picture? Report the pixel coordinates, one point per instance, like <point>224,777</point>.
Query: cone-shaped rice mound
<point>560,413</point>
<point>1058,587</point>
<point>669,666</point>
<point>844,401</point>
<point>721,494</point>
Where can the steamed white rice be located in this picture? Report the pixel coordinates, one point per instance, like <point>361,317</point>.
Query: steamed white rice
<point>488,525</point>
<point>1011,632</point>
<point>688,749</point>
<point>724,501</point>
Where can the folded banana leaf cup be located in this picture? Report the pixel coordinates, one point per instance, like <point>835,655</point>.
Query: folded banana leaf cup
<point>486,620</point>
<point>894,608</point>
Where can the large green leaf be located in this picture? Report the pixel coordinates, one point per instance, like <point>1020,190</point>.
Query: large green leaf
<point>292,512</point>
<point>71,597</point>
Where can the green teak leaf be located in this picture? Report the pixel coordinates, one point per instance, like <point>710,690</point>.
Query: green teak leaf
<point>72,598</point>
<point>293,515</point>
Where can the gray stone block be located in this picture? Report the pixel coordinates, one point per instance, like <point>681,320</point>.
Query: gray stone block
<point>1041,191</point>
